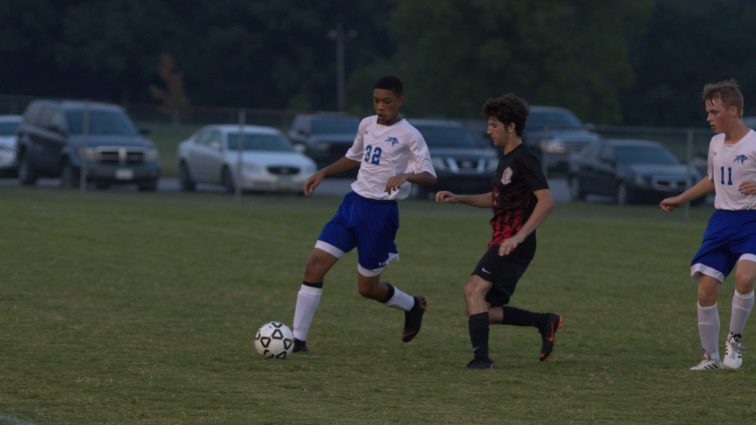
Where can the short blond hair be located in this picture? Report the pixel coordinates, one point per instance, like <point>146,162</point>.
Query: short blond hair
<point>727,91</point>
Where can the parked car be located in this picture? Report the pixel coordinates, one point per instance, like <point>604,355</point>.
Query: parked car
<point>268,160</point>
<point>8,128</point>
<point>462,164</point>
<point>556,133</point>
<point>750,121</point>
<point>64,138</point>
<point>631,171</point>
<point>324,137</point>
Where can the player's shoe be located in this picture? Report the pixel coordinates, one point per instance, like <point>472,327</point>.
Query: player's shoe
<point>548,335</point>
<point>733,357</point>
<point>299,346</point>
<point>480,364</point>
<point>708,364</point>
<point>413,319</point>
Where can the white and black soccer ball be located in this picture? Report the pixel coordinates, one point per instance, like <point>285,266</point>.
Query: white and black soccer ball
<point>274,339</point>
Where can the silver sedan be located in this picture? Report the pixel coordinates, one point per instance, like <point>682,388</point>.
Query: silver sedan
<point>265,162</point>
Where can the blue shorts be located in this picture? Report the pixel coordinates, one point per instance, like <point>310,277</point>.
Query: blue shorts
<point>729,237</point>
<point>369,225</point>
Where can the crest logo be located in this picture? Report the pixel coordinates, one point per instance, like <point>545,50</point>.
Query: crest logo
<point>506,176</point>
<point>740,159</point>
<point>392,140</point>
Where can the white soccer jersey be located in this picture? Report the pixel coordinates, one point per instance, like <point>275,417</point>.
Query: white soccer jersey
<point>729,166</point>
<point>385,151</point>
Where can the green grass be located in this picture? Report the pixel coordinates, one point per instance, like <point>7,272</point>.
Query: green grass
<point>129,308</point>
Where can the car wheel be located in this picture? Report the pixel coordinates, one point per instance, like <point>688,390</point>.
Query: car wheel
<point>185,178</point>
<point>69,178</point>
<point>150,186</point>
<point>576,191</point>
<point>622,194</point>
<point>27,174</point>
<point>228,180</point>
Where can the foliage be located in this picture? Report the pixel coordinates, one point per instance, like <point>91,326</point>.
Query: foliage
<point>124,307</point>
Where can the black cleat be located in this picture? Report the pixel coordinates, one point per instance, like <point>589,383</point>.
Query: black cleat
<point>480,364</point>
<point>548,335</point>
<point>413,319</point>
<point>299,346</point>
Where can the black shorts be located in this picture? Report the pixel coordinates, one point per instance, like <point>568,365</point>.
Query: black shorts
<point>504,271</point>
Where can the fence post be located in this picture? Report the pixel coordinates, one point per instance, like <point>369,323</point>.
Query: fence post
<point>83,158</point>
<point>239,149</point>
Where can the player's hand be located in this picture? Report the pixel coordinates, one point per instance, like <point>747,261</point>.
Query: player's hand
<point>669,204</point>
<point>747,188</point>
<point>394,182</point>
<point>309,186</point>
<point>443,196</point>
<point>509,245</point>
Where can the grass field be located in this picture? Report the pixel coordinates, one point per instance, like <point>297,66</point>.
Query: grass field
<point>127,308</point>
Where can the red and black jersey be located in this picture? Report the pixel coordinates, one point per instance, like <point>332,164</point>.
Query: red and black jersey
<point>518,175</point>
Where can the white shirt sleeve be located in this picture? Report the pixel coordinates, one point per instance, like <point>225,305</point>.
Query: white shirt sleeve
<point>358,146</point>
<point>421,159</point>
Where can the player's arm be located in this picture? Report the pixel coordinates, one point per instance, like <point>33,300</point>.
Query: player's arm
<point>483,200</point>
<point>425,178</point>
<point>542,208</point>
<point>338,166</point>
<point>703,187</point>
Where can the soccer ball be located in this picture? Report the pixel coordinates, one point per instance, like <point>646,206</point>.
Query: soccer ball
<point>274,339</point>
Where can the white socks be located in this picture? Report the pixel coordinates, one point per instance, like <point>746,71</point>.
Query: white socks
<point>401,300</point>
<point>741,309</point>
<point>708,330</point>
<point>308,299</point>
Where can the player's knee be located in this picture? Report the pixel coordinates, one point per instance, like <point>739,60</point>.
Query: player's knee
<point>475,290</point>
<point>744,281</point>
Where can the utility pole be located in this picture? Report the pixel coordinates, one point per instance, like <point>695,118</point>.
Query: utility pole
<point>340,37</point>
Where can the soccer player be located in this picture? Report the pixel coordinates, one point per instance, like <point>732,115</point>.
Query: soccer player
<point>730,235</point>
<point>520,200</point>
<point>391,154</point>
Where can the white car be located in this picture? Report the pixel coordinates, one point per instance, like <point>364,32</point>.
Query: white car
<point>8,126</point>
<point>268,160</point>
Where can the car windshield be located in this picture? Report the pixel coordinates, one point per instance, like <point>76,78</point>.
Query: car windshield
<point>644,155</point>
<point>437,136</point>
<point>8,128</point>
<point>552,120</point>
<point>101,123</point>
<point>260,142</point>
<point>335,125</point>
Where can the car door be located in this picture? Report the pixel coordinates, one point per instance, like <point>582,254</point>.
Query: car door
<point>48,140</point>
<point>214,158</point>
<point>606,171</point>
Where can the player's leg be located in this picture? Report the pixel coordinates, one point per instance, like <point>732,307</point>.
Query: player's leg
<point>389,295</point>
<point>742,304</point>
<point>475,292</point>
<point>708,322</point>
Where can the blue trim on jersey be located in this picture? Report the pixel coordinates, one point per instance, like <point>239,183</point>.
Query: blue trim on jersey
<point>370,225</point>
<point>728,235</point>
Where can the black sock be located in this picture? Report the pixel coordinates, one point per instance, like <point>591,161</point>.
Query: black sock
<point>519,317</point>
<point>478,326</point>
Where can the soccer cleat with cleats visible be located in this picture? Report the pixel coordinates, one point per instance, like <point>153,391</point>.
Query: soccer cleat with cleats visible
<point>299,346</point>
<point>733,357</point>
<point>708,364</point>
<point>548,335</point>
<point>413,319</point>
<point>480,364</point>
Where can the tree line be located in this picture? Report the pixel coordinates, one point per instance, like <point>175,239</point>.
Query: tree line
<point>640,62</point>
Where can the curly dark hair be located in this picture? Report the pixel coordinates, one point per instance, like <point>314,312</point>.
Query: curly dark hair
<point>389,82</point>
<point>508,108</point>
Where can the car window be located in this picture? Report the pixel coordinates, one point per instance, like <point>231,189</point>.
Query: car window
<point>101,122</point>
<point>552,120</point>
<point>645,155</point>
<point>334,125</point>
<point>260,142</point>
<point>448,137</point>
<point>8,128</point>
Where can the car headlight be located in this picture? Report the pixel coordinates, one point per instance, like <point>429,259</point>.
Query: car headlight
<point>552,146</point>
<point>88,154</point>
<point>152,155</point>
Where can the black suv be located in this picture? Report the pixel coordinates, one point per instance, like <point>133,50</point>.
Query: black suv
<point>324,137</point>
<point>64,138</point>
<point>462,164</point>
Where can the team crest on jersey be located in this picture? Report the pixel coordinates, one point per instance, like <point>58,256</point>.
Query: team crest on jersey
<point>740,159</point>
<point>392,140</point>
<point>506,176</point>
